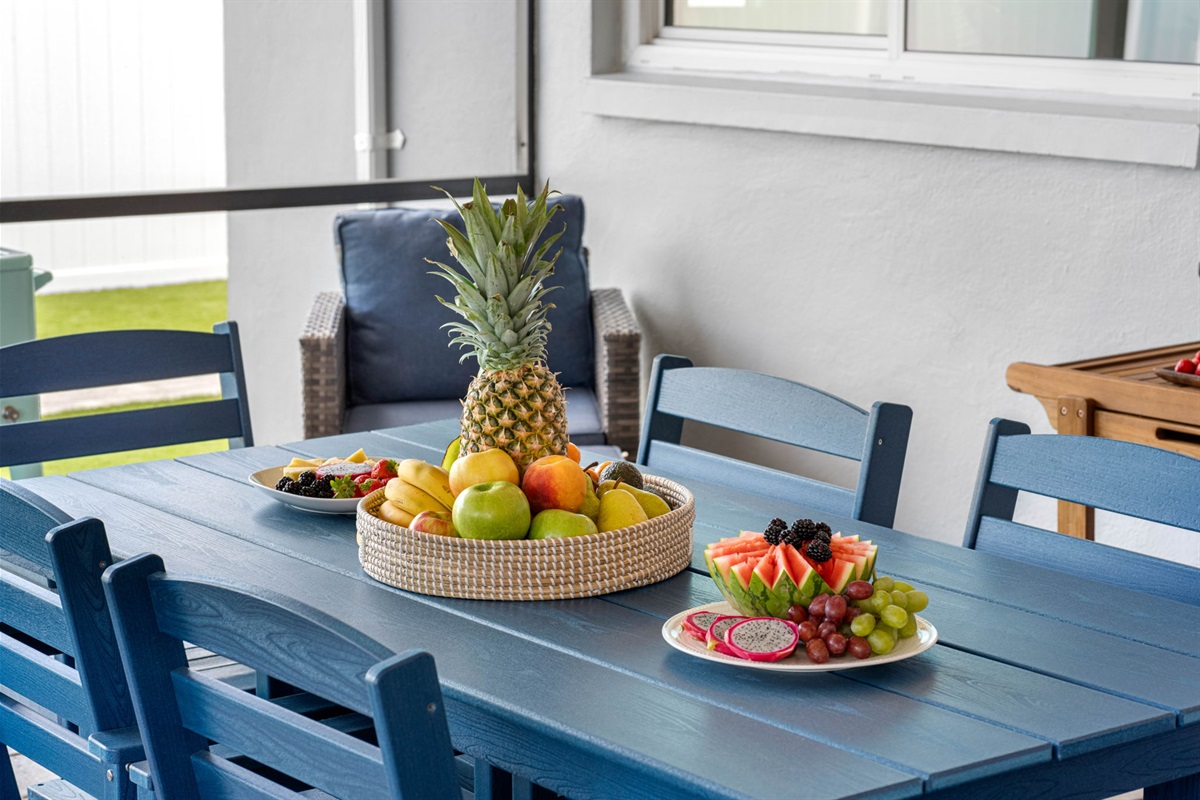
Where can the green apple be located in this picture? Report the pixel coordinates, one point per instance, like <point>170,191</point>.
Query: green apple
<point>554,523</point>
<point>493,510</point>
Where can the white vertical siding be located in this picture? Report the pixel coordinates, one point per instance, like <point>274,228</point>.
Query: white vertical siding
<point>103,96</point>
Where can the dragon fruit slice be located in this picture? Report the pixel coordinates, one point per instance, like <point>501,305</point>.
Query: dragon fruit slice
<point>697,624</point>
<point>716,632</point>
<point>762,638</point>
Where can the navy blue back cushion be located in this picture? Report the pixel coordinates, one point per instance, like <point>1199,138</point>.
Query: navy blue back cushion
<point>397,348</point>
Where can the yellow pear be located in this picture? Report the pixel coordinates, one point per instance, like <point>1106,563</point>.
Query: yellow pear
<point>652,504</point>
<point>619,510</point>
<point>591,503</point>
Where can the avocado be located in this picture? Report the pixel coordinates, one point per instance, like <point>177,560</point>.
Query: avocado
<point>623,471</point>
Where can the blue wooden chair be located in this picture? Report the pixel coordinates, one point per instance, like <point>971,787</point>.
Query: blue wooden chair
<point>89,360</point>
<point>1125,478</point>
<point>205,740</point>
<point>784,411</point>
<point>64,702</point>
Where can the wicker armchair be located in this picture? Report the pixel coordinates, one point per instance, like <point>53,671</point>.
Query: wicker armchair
<point>618,340</point>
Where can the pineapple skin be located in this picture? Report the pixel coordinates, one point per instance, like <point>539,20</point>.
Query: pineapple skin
<point>521,411</point>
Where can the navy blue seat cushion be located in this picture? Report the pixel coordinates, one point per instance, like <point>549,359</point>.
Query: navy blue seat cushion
<point>396,347</point>
<point>583,415</point>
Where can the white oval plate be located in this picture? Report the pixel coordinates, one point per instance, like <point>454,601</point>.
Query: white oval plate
<point>265,479</point>
<point>673,632</point>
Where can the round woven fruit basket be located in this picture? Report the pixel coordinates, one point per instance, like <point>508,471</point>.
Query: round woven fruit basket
<point>530,569</point>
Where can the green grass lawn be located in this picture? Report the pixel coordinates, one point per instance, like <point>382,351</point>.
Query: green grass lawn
<point>184,306</point>
<point>190,306</point>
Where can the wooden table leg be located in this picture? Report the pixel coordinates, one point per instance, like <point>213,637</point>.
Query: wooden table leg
<point>1075,418</point>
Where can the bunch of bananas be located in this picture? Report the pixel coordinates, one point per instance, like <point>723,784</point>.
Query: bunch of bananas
<point>418,487</point>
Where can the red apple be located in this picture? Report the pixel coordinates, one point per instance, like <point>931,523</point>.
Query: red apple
<point>439,523</point>
<point>1186,366</point>
<point>555,482</point>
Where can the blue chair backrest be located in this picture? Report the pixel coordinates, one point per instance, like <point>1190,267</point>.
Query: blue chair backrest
<point>108,358</point>
<point>180,711</point>
<point>60,675</point>
<point>1130,479</point>
<point>784,411</point>
<point>396,347</point>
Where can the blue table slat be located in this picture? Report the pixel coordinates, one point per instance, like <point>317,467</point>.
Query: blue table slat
<point>933,761</point>
<point>1030,717</point>
<point>511,678</point>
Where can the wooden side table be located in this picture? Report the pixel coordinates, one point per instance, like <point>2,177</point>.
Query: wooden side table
<point>1115,397</point>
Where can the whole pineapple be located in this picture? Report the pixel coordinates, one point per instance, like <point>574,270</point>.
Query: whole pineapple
<point>515,402</point>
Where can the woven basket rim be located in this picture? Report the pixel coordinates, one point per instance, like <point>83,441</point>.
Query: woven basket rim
<point>530,569</point>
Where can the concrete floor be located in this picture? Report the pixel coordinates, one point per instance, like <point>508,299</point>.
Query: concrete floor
<point>28,773</point>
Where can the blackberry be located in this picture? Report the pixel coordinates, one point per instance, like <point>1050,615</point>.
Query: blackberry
<point>309,491</point>
<point>284,484</point>
<point>823,536</point>
<point>823,527</point>
<point>819,551</point>
<point>803,530</point>
<point>775,531</point>
<point>307,478</point>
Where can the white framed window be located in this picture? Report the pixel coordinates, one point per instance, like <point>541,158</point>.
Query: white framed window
<point>1104,79</point>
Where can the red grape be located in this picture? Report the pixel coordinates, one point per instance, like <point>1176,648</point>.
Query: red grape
<point>835,608</point>
<point>797,614</point>
<point>807,630</point>
<point>817,651</point>
<point>858,647</point>
<point>859,590</point>
<point>837,644</point>
<point>826,628</point>
<point>851,613</point>
<point>817,607</point>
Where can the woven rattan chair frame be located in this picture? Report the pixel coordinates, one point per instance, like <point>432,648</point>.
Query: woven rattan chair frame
<point>618,339</point>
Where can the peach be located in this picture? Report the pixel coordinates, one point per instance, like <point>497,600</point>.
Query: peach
<point>555,482</point>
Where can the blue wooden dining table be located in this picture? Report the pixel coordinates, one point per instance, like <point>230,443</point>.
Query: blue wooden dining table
<point>1041,685</point>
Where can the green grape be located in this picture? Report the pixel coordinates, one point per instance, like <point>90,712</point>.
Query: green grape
<point>863,624</point>
<point>879,601</point>
<point>881,641</point>
<point>917,601</point>
<point>902,586</point>
<point>910,627</point>
<point>894,616</point>
<point>885,583</point>
<point>899,598</point>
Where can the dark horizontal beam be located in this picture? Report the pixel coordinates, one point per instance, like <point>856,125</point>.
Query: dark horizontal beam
<point>43,209</point>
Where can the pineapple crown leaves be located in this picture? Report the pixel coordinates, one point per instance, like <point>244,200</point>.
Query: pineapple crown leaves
<point>501,287</point>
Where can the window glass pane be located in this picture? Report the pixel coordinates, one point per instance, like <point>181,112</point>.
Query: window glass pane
<point>1136,30</point>
<point>1163,30</point>
<point>1062,28</point>
<point>865,17</point>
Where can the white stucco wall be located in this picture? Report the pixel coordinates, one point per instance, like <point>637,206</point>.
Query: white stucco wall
<point>873,270</point>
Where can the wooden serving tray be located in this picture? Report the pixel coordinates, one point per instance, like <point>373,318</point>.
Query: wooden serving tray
<point>1182,378</point>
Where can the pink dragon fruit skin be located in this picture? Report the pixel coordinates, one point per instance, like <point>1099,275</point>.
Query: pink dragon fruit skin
<point>697,624</point>
<point>716,632</point>
<point>762,638</point>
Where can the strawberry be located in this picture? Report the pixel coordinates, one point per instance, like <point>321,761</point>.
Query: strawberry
<point>366,484</point>
<point>384,470</point>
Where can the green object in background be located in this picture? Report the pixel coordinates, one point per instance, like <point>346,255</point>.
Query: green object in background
<point>183,306</point>
<point>18,282</point>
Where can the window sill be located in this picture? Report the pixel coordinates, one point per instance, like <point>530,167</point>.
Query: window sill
<point>1158,132</point>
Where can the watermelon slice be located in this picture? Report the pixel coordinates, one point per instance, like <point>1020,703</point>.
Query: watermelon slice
<point>761,579</point>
